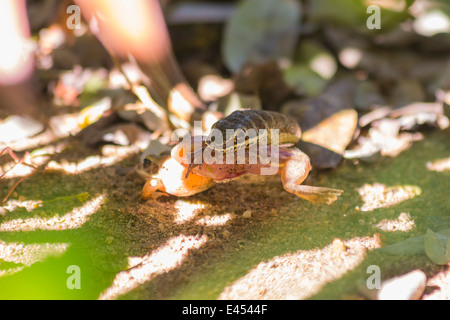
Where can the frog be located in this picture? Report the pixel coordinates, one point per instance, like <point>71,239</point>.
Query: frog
<point>182,174</point>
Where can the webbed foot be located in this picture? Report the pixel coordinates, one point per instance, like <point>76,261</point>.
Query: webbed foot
<point>316,195</point>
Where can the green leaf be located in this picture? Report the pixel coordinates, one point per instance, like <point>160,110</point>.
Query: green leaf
<point>412,246</point>
<point>416,245</point>
<point>260,31</point>
<point>304,80</point>
<point>318,58</point>
<point>352,14</point>
<point>437,247</point>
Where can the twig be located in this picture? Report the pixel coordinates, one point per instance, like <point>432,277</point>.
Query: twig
<point>140,91</point>
<point>17,161</point>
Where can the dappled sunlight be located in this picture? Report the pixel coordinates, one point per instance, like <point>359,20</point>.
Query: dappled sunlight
<point>381,196</point>
<point>16,135</point>
<point>183,107</point>
<point>162,260</point>
<point>186,211</point>
<point>215,221</point>
<point>72,220</point>
<point>16,128</point>
<point>402,223</point>
<point>60,126</point>
<point>439,165</point>
<point>20,256</point>
<point>441,284</point>
<point>301,274</point>
<point>26,167</point>
<point>211,87</point>
<point>12,205</point>
<point>111,155</point>
<point>84,165</point>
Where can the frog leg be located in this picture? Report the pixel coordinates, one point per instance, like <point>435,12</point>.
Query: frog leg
<point>152,185</point>
<point>294,171</point>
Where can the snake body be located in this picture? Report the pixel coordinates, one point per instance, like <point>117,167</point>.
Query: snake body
<point>262,122</point>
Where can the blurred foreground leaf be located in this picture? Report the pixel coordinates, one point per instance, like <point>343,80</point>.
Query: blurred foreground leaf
<point>353,13</point>
<point>304,80</point>
<point>260,31</point>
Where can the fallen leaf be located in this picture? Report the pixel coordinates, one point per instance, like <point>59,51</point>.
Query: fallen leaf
<point>437,248</point>
<point>415,245</point>
<point>16,127</point>
<point>411,246</point>
<point>335,132</point>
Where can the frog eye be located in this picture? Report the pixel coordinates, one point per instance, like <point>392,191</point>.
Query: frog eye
<point>147,162</point>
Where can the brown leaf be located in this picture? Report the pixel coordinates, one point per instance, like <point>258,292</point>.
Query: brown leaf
<point>335,132</point>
